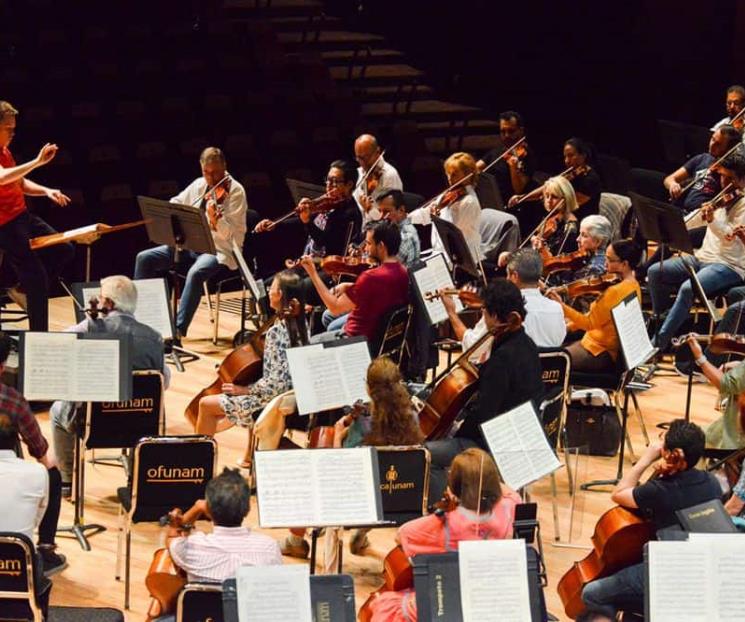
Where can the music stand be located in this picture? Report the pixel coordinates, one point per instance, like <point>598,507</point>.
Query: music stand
<point>181,227</point>
<point>304,190</point>
<point>258,292</point>
<point>456,248</point>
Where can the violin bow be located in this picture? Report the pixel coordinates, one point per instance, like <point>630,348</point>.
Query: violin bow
<point>364,177</point>
<point>71,295</point>
<point>712,166</point>
<point>542,223</point>
<point>478,499</point>
<point>212,189</point>
<point>534,193</point>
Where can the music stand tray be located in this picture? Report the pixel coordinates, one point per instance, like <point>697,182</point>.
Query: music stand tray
<point>455,246</point>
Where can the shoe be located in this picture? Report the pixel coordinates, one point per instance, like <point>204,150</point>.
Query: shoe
<point>19,297</point>
<point>292,549</point>
<point>359,542</point>
<point>53,562</point>
<point>67,490</point>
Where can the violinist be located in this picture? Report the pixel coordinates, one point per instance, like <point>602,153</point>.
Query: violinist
<point>224,200</point>
<point>480,507</point>
<point>214,557</point>
<point>393,209</point>
<point>558,235</point>
<point>240,404</point>
<point>36,270</point>
<point>118,302</point>
<point>594,236</point>
<point>510,376</point>
<point>380,176</point>
<point>598,349</point>
<point>734,103</point>
<point>375,292</point>
<point>719,263</point>
<point>459,206</point>
<point>726,432</point>
<point>514,173</point>
<point>678,485</point>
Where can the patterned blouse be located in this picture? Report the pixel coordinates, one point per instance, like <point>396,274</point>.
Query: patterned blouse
<point>239,409</point>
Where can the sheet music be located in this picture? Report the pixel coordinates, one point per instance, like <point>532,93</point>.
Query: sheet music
<point>326,377</point>
<point>435,275</point>
<point>61,366</point>
<point>697,580</point>
<point>47,365</point>
<point>494,581</point>
<point>632,332</point>
<point>331,487</point>
<point>270,593</point>
<point>519,446</point>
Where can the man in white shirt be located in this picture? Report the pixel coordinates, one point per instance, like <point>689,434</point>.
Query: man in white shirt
<point>544,321</point>
<point>382,178</point>
<point>224,199</point>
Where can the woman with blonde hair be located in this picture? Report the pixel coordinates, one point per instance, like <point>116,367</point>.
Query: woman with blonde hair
<point>459,206</point>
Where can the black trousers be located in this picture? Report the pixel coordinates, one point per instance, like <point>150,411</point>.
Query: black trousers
<point>48,524</point>
<point>29,265</point>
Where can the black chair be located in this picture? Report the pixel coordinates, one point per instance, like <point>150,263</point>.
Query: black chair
<point>648,183</point>
<point>681,141</point>
<point>167,472</point>
<point>615,173</point>
<point>404,482</point>
<point>556,366</point>
<point>21,595</point>
<point>198,602</point>
<point>390,338</point>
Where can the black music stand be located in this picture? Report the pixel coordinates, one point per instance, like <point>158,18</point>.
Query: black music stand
<point>456,248</point>
<point>304,190</point>
<point>181,227</point>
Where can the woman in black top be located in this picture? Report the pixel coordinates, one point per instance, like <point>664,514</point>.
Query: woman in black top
<point>584,179</point>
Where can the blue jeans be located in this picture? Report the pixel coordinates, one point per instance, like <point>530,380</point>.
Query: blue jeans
<point>666,276</point>
<point>333,322</point>
<point>621,591</point>
<point>156,262</point>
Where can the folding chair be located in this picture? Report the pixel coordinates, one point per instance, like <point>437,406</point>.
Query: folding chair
<point>198,602</point>
<point>20,579</point>
<point>390,338</point>
<point>167,472</point>
<point>116,425</point>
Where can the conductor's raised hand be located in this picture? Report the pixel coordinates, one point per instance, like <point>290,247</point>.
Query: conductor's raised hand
<point>56,195</point>
<point>46,153</point>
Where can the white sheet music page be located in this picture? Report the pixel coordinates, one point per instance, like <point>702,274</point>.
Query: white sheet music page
<point>48,365</point>
<point>152,306</point>
<point>318,488</point>
<point>435,275</point>
<point>96,370</point>
<point>270,593</point>
<point>328,377</point>
<point>494,581</point>
<point>519,446</point>
<point>632,332</point>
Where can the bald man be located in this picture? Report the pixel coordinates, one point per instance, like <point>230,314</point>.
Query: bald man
<point>367,152</point>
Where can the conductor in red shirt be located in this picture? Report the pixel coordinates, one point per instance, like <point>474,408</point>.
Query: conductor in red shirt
<point>374,293</point>
<point>17,226</point>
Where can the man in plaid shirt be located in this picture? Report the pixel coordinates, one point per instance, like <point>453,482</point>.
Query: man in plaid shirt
<point>15,406</point>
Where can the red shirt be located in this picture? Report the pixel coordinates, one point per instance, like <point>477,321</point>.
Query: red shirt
<point>12,201</point>
<point>374,292</point>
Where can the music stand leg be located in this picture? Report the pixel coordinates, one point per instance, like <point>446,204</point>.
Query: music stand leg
<point>78,529</point>
<point>621,451</point>
<point>313,548</point>
<point>88,252</point>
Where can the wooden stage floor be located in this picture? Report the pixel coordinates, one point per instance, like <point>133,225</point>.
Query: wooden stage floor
<point>89,579</point>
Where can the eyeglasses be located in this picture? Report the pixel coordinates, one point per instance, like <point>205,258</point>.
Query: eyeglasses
<point>334,181</point>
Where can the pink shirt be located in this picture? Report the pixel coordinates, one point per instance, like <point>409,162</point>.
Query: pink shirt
<point>214,557</point>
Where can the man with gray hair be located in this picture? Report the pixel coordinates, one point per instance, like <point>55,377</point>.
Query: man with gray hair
<point>224,200</point>
<point>117,305</point>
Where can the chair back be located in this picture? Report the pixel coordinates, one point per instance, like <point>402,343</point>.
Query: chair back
<point>17,573</point>
<point>169,472</point>
<point>404,482</point>
<point>614,207</point>
<point>122,424</point>
<point>556,367</point>
<point>200,602</point>
<point>499,231</point>
<point>488,193</point>
<point>391,334</point>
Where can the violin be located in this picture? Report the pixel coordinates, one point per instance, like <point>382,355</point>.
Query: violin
<point>468,297</point>
<point>322,436</point>
<point>397,574</point>
<point>454,387</point>
<point>320,205</point>
<point>218,193</point>
<point>565,262</point>
<point>571,173</point>
<point>590,285</point>
<point>347,265</point>
<point>551,225</point>
<point>448,198</point>
<point>93,310</point>
<point>618,542</point>
<point>372,181</point>
<point>576,171</point>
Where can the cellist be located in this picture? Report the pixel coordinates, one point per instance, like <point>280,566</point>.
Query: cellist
<point>239,404</point>
<point>679,485</point>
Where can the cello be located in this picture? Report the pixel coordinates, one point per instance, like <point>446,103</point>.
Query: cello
<point>457,384</point>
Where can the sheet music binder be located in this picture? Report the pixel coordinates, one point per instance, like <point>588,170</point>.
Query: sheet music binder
<point>79,289</point>
<point>437,586</point>
<point>707,517</point>
<point>331,598</point>
<point>124,360</point>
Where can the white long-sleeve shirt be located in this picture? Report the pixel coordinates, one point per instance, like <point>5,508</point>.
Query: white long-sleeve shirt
<point>389,180</point>
<point>716,248</point>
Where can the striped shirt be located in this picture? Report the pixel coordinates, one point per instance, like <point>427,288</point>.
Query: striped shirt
<point>214,557</point>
